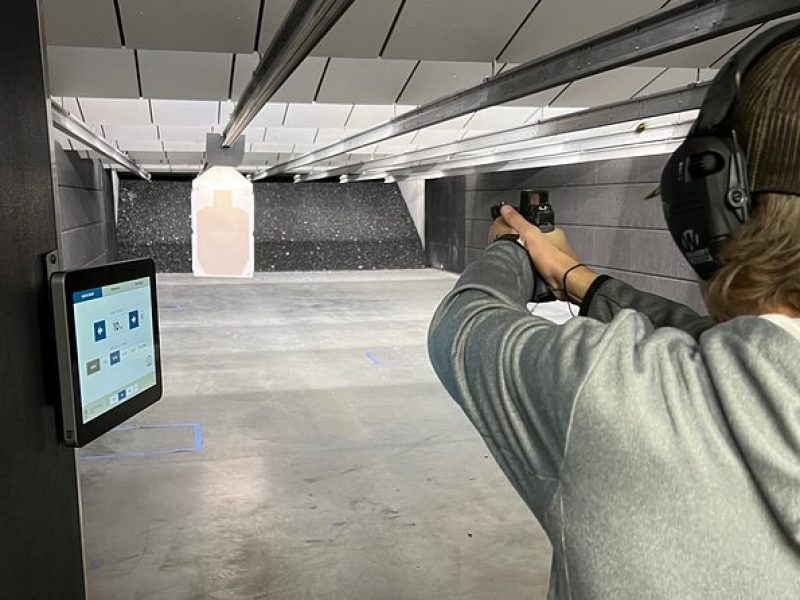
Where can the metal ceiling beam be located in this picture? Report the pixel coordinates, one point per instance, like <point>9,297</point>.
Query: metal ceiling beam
<point>665,129</point>
<point>75,128</point>
<point>306,24</point>
<point>665,103</point>
<point>636,149</point>
<point>657,33</point>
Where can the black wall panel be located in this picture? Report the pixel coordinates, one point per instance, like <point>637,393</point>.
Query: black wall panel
<point>445,231</point>
<point>602,206</point>
<point>308,227</point>
<point>40,537</point>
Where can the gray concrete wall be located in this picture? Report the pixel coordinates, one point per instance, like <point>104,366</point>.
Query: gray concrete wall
<point>84,212</point>
<point>40,535</point>
<point>602,207</point>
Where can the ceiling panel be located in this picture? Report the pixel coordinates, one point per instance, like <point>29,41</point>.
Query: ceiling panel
<point>243,72</point>
<point>432,80</point>
<point>184,147</point>
<point>171,133</point>
<point>70,105</point>
<point>290,135</point>
<point>367,150</point>
<point>271,115</point>
<point>361,31</point>
<point>130,132</point>
<point>256,159</point>
<point>202,25</point>
<point>435,137</point>
<point>186,113</point>
<point>317,115</point>
<point>500,117</point>
<point>326,137</point>
<point>700,55</point>
<point>272,147</point>
<point>612,86</point>
<point>673,79</point>
<point>61,138</point>
<point>110,111</point>
<point>466,30</point>
<point>275,12</point>
<point>95,72</point>
<point>303,148</point>
<point>148,157</point>
<point>86,23</point>
<point>185,75</point>
<point>303,83</point>
<point>140,145</point>
<point>539,99</point>
<point>552,112</point>
<point>362,81</point>
<point>368,116</point>
<point>556,24</point>
<point>471,133</point>
<point>402,143</point>
<point>185,158</point>
<point>252,133</point>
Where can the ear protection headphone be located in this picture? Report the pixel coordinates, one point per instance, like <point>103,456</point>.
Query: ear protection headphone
<point>704,188</point>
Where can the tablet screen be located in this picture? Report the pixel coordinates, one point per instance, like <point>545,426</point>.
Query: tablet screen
<point>115,344</point>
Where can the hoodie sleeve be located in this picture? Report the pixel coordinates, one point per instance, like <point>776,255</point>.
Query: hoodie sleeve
<point>516,376</point>
<point>608,296</point>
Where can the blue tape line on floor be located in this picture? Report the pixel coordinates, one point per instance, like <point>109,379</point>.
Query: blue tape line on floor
<point>372,358</point>
<point>197,438</point>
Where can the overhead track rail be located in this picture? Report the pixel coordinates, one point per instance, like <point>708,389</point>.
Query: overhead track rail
<point>657,33</point>
<point>610,114</point>
<point>75,128</point>
<point>612,152</point>
<point>306,24</point>
<point>552,150</point>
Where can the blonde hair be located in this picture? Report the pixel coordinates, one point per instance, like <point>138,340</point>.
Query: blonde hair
<point>761,263</point>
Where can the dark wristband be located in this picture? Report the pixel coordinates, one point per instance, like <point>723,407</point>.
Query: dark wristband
<point>587,299</point>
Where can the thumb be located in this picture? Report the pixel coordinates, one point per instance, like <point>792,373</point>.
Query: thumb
<point>515,220</point>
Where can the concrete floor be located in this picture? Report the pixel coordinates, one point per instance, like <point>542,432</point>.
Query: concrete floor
<point>303,449</point>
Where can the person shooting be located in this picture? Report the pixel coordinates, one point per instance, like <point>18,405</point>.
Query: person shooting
<point>658,448</point>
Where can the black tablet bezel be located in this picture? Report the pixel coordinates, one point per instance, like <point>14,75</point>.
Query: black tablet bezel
<point>98,277</point>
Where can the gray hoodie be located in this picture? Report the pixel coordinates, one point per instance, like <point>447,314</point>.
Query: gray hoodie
<point>661,462</point>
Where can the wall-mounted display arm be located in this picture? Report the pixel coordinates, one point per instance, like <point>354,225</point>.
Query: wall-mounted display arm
<point>655,34</point>
<point>75,128</point>
<point>306,24</point>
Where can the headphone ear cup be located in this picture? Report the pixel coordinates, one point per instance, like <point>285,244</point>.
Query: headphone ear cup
<point>693,189</point>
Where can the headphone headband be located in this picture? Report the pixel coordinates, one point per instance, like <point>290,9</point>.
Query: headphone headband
<point>704,188</point>
<point>716,114</point>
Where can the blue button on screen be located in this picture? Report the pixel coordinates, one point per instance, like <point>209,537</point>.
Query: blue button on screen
<point>100,331</point>
<point>115,357</point>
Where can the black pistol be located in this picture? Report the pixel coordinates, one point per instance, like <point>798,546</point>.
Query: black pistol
<point>535,207</point>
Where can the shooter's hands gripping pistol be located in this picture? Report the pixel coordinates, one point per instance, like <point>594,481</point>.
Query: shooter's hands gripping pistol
<point>536,208</point>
